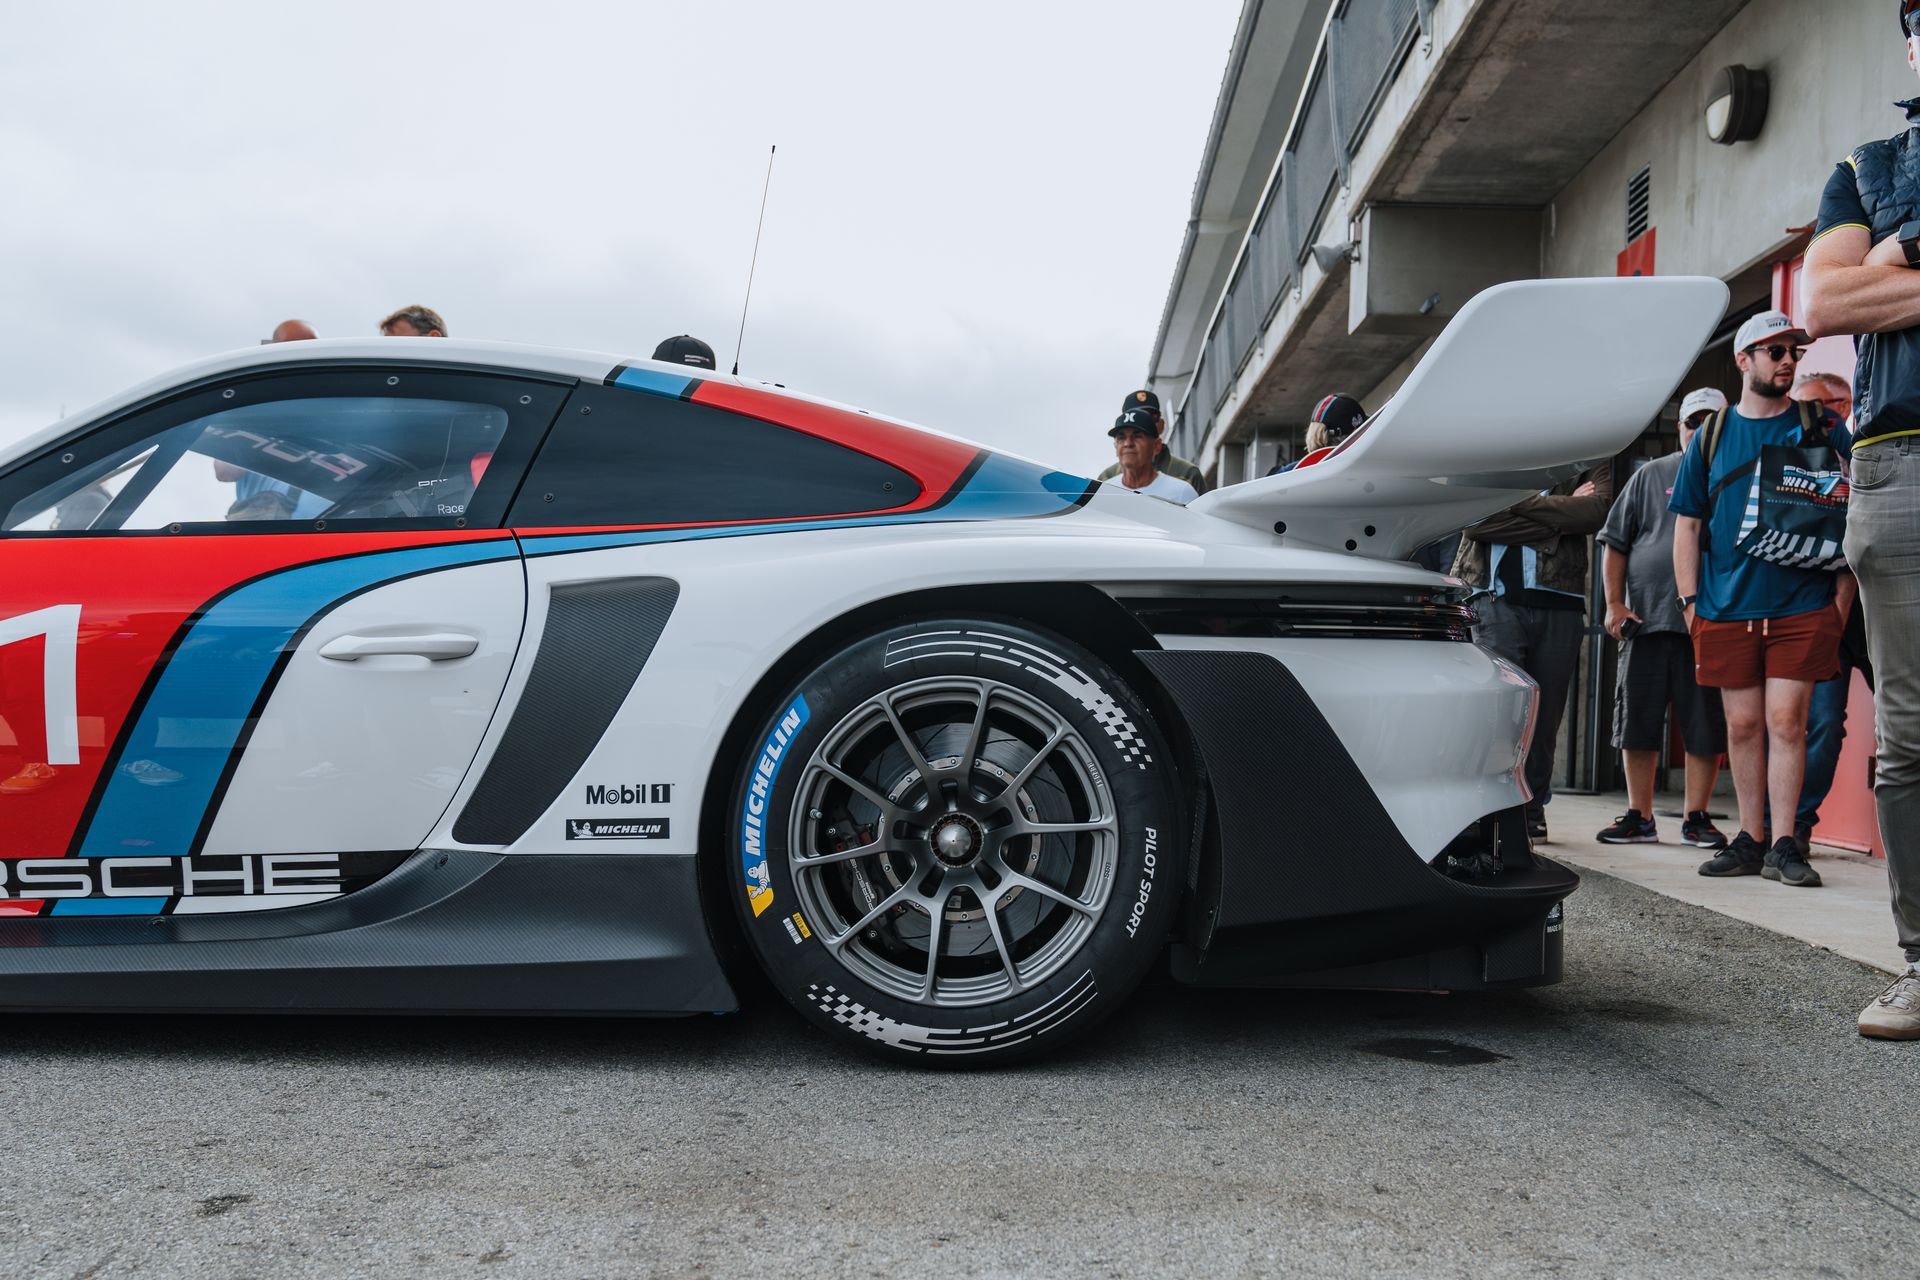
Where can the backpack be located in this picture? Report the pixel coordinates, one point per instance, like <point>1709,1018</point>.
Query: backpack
<point>1796,514</point>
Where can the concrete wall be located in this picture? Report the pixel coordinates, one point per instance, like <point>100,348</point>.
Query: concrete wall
<point>1836,66</point>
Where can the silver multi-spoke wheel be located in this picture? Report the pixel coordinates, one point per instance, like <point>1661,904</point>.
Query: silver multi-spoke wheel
<point>954,841</point>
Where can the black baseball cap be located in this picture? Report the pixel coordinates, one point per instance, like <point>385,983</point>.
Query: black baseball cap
<point>1341,414</point>
<point>1138,418</point>
<point>1906,7</point>
<point>685,349</point>
<point>1148,400</point>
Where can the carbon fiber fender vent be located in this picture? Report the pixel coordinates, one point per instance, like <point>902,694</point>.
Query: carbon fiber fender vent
<point>598,637</point>
<point>1349,612</point>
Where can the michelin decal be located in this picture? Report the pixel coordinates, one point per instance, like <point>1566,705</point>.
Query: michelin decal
<point>753,858</point>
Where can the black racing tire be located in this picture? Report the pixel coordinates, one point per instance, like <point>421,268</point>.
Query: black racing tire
<point>878,804</point>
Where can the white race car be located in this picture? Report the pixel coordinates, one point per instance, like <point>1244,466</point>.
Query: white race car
<point>422,675</point>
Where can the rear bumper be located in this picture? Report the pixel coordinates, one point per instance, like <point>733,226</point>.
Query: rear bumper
<point>1304,878</point>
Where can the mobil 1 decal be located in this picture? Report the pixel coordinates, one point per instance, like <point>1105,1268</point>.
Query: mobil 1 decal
<point>630,793</point>
<point>753,811</point>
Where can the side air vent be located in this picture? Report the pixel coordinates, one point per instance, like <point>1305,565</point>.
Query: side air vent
<point>598,637</point>
<point>1310,613</point>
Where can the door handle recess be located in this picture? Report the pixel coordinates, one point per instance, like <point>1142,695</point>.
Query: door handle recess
<point>437,646</point>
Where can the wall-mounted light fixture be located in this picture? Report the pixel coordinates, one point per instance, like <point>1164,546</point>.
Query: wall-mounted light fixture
<point>1330,256</point>
<point>1737,107</point>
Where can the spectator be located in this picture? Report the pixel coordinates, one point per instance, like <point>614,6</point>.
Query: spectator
<point>1656,654</point>
<point>1860,281</point>
<point>1165,462</point>
<point>1136,443</point>
<point>1334,419</point>
<point>1529,564</point>
<point>414,322</point>
<point>1827,712</point>
<point>255,497</point>
<point>1828,390</point>
<point>1763,633</point>
<point>685,349</point>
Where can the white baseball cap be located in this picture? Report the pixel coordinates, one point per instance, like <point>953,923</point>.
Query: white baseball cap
<point>1705,398</point>
<point>1768,325</point>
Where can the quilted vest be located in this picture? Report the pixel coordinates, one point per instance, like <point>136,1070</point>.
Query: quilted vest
<point>1889,176</point>
<point>1886,377</point>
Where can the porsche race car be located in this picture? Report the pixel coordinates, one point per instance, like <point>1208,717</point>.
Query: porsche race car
<point>434,676</point>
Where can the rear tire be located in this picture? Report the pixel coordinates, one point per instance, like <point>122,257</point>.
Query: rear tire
<point>958,841</point>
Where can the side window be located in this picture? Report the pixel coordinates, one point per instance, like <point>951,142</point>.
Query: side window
<point>618,456</point>
<point>295,450</point>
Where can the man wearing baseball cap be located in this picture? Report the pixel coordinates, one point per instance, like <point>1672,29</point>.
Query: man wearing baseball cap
<point>1165,461</point>
<point>1136,439</point>
<point>1763,633</point>
<point>1861,279</point>
<point>1656,654</point>
<point>1334,419</point>
<point>685,349</point>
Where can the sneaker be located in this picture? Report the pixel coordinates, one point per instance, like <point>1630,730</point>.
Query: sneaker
<point>1631,827</point>
<point>1536,826</point>
<point>31,778</point>
<point>1787,863</point>
<point>1740,858</point>
<point>1895,1014</point>
<point>1698,830</point>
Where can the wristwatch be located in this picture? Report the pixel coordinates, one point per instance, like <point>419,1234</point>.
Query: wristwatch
<point>1909,235</point>
<point>1686,602</point>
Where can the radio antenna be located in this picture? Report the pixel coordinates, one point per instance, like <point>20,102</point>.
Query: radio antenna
<point>755,262</point>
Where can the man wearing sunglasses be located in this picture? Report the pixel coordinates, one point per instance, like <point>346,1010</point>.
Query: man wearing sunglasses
<point>1861,279</point>
<point>1763,633</point>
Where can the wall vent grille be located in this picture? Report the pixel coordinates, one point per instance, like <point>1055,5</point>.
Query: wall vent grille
<point>1639,203</point>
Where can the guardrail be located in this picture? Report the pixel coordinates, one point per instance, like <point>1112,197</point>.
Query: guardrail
<point>1360,50</point>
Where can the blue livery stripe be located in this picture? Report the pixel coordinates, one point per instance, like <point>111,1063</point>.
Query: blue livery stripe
<point>109,906</point>
<point>200,707</point>
<point>654,382</point>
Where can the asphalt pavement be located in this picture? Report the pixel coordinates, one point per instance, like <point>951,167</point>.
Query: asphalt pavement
<point>1691,1101</point>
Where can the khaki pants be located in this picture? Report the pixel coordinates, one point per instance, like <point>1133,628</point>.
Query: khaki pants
<point>1883,546</point>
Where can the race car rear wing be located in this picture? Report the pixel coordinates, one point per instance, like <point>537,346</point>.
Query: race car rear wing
<point>1531,382</point>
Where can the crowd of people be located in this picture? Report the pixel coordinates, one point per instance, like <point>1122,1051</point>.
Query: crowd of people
<point>1748,576</point>
<point>1785,559</point>
<point>1732,570</point>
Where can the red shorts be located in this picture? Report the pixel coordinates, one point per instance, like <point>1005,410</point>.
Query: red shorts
<point>1740,655</point>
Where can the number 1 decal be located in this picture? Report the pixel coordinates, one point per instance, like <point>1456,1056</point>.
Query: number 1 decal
<point>59,673</point>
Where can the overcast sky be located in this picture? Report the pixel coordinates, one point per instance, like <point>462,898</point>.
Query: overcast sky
<point>974,218</point>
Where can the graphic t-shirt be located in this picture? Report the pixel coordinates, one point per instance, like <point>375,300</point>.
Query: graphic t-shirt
<point>1641,528</point>
<point>1734,586</point>
<point>1163,486</point>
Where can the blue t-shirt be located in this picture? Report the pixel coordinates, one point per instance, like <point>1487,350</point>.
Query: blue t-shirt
<point>1734,586</point>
